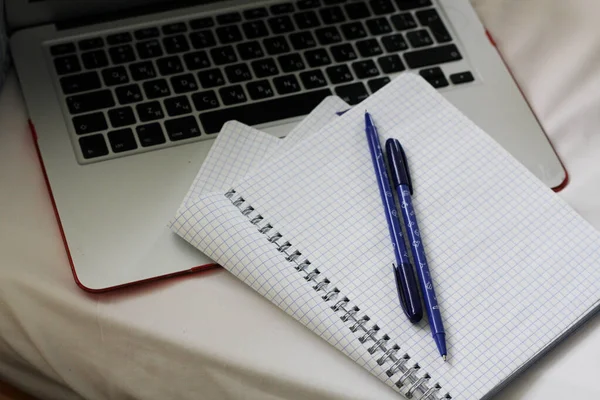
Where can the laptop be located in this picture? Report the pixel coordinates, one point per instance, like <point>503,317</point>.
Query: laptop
<point>125,99</point>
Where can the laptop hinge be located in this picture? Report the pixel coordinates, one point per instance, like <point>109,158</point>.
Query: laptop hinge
<point>134,11</point>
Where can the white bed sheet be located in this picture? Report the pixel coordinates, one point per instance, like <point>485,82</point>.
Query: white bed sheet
<point>209,336</point>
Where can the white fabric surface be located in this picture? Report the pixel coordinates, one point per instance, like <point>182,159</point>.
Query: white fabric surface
<point>209,336</point>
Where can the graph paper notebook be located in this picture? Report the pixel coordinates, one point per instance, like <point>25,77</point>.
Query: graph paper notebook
<point>515,267</point>
<point>240,148</point>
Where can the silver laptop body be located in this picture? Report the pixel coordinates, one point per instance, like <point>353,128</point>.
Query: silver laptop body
<point>125,101</point>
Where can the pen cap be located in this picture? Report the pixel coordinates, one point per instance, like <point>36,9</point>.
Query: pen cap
<point>397,164</point>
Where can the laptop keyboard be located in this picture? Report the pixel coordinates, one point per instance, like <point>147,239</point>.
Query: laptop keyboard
<point>157,86</point>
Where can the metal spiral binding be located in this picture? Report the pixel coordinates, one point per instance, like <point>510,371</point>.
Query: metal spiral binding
<point>398,367</point>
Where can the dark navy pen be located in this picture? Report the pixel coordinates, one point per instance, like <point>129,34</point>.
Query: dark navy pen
<point>402,182</point>
<point>406,282</point>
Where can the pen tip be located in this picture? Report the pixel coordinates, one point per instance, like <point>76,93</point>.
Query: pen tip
<point>444,357</point>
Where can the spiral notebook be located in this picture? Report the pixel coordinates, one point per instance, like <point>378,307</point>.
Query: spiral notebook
<point>516,269</point>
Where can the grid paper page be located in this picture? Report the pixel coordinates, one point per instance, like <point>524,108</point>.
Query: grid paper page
<point>239,149</point>
<point>514,266</point>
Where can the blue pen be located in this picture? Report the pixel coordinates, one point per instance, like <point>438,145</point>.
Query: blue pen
<point>402,182</point>
<point>406,282</point>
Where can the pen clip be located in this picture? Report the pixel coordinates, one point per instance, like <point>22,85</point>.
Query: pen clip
<point>398,164</point>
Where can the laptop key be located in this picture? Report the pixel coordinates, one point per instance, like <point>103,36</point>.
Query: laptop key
<point>264,68</point>
<point>129,94</point>
<point>286,84</point>
<point>250,50</point>
<point>317,58</point>
<point>176,44</point>
<point>93,146</point>
<point>403,21</point>
<point>91,43</point>
<point>357,10</point>
<point>369,48</point>
<point>122,116</point>
<point>229,18</point>
<point>202,39</point>
<point>306,19</point>
<point>353,93</point>
<point>259,90</point>
<point>332,15</point>
<point>381,7</point>
<point>80,82</point>
<point>184,83</point>
<point>229,34</point>
<point>149,49</point>
<point>238,73</point>
<point>412,4</point>
<point>232,95</point>
<point>313,79</point>
<point>205,100</point>
<point>121,54</point>
<point>142,70</point>
<point>378,83</point>
<point>264,111</point>
<point>156,88</point>
<point>91,101</point>
<point>177,27</point>
<point>89,123</point>
<point>462,77</point>
<point>281,24</point>
<point>306,4</point>
<point>211,78</point>
<point>146,33</point>
<point>354,30</point>
<point>196,60</point>
<point>62,49</point>
<point>285,8</point>
<point>122,140</point>
<point>256,13</point>
<point>67,65</point>
<point>432,56</point>
<point>177,106</point>
<point>223,55</point>
<point>169,65</point>
<point>419,38</point>
<point>182,128</point>
<point>202,23</point>
<point>343,52</point>
<point>435,76</point>
<point>94,59</point>
<point>119,38</point>
<point>365,69</point>
<point>431,19</point>
<point>302,40</point>
<point>150,134</point>
<point>391,64</point>
<point>149,111</point>
<point>438,81</point>
<point>291,62</point>
<point>115,76</point>
<point>394,43</point>
<point>328,35</point>
<point>379,26</point>
<point>276,45</point>
<point>339,74</point>
<point>255,29</point>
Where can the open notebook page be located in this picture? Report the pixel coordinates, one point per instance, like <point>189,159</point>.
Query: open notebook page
<point>239,149</point>
<point>514,266</point>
